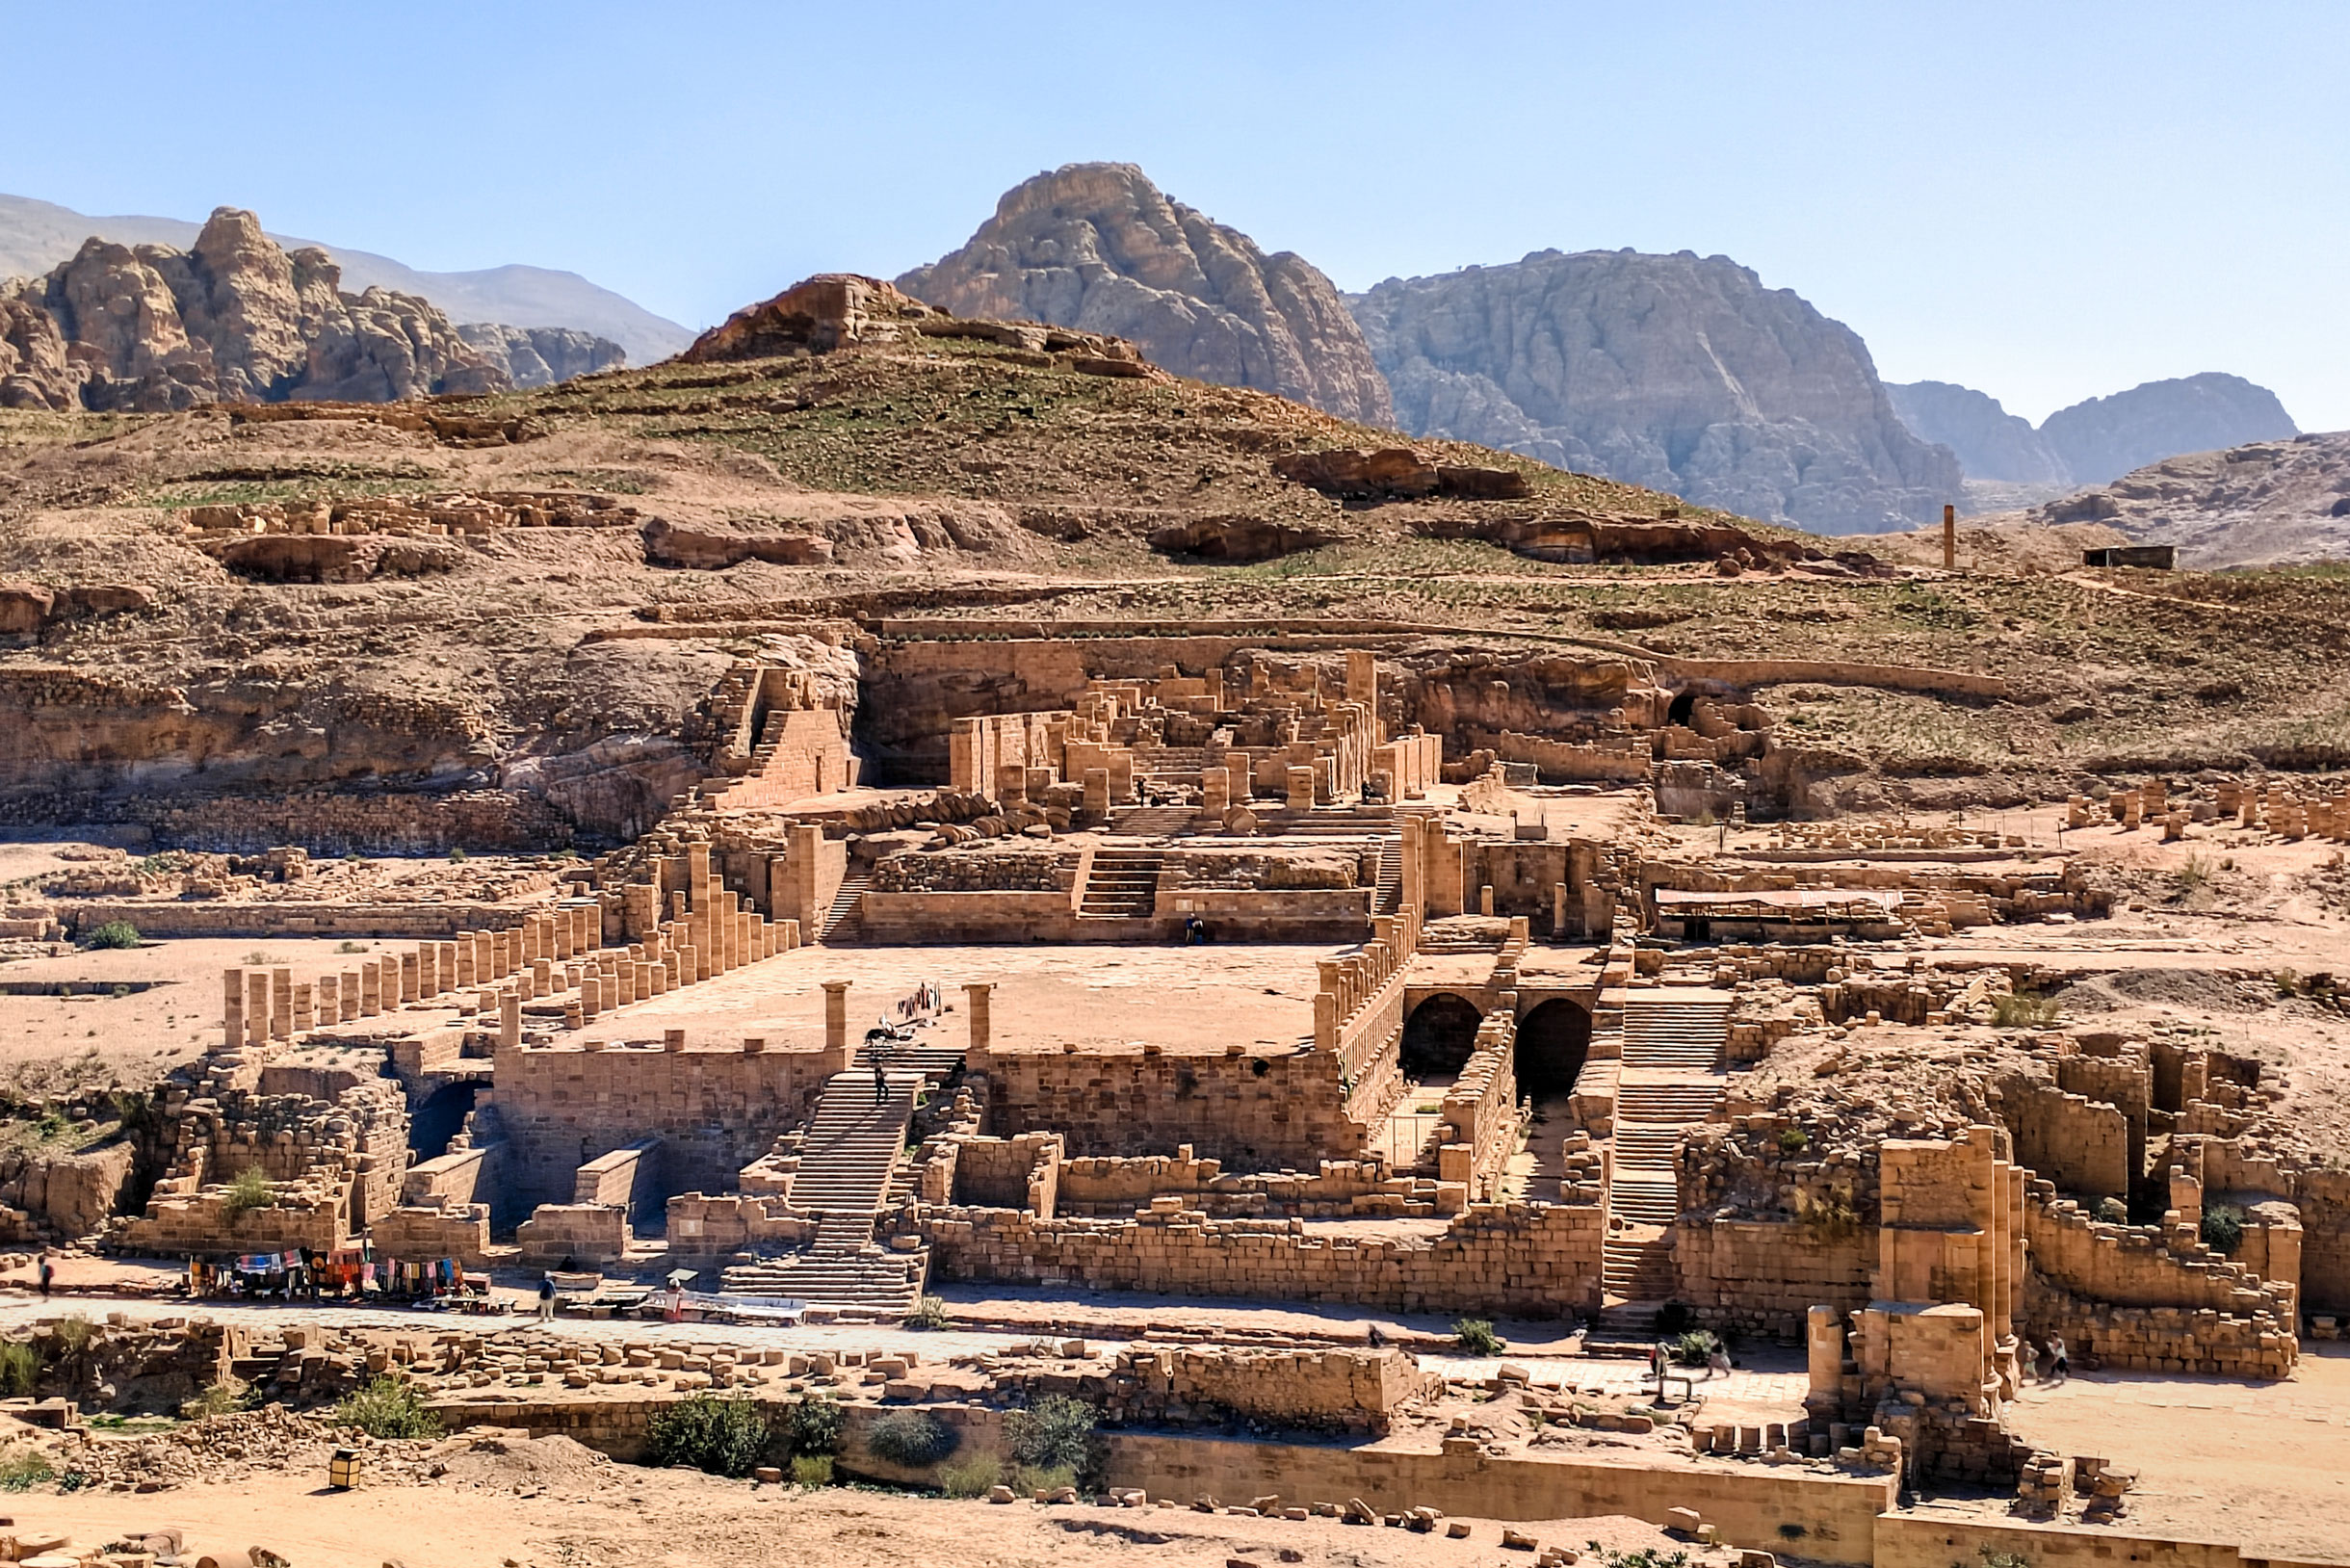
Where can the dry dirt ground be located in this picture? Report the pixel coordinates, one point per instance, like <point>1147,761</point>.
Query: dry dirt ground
<point>549,1515</point>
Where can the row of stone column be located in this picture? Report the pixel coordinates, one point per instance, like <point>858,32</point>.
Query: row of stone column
<point>1348,983</point>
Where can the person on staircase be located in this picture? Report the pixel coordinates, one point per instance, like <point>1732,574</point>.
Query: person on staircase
<point>881,1082</point>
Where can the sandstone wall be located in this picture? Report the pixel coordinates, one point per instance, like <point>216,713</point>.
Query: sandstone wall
<point>1532,1261</point>
<point>714,1111</point>
<point>1760,1278</point>
<point>1251,1110</point>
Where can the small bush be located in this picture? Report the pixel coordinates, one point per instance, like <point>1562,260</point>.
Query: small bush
<point>22,1471</point>
<point>2196,872</point>
<point>69,1340</point>
<point>1054,1433</point>
<point>930,1313</point>
<point>387,1407</point>
<point>2113,1210</point>
<point>1029,1480</point>
<point>2004,1559</point>
<point>1828,1220</point>
<point>221,1398</point>
<point>2223,1229</point>
<point>913,1439</point>
<point>1793,1141</point>
<point>1693,1348</point>
<point>723,1437</point>
<point>248,1188</point>
<point>1673,1318</point>
<point>815,1425</point>
<point>348,946</point>
<point>458,852</point>
<point>811,1470</point>
<point>115,933</point>
<point>2025,1009</point>
<point>1475,1336</point>
<point>971,1475</point>
<point>19,1367</point>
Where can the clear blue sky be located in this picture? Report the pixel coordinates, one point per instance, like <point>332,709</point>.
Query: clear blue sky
<point>2044,201</point>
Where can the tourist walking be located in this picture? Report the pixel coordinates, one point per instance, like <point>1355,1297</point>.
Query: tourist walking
<point>880,1084</point>
<point>546,1298</point>
<point>48,1274</point>
<point>2061,1363</point>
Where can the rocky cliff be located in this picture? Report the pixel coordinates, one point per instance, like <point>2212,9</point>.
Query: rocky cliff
<point>233,319</point>
<point>1674,372</point>
<point>541,355</point>
<point>2105,438</point>
<point>1991,443</point>
<point>1098,247</point>
<point>2263,504</point>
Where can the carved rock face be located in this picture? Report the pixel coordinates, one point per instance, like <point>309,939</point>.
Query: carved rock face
<point>1098,247</point>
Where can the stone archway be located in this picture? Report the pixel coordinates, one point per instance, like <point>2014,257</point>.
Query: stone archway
<point>1439,1036</point>
<point>1552,1042</point>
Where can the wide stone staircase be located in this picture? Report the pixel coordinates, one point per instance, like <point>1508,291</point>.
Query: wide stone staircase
<point>1671,1080</point>
<point>1123,884</point>
<point>851,1149</point>
<point>1389,895</point>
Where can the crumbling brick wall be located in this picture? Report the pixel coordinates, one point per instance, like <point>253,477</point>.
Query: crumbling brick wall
<point>1761,1277</point>
<point>1259,1109</point>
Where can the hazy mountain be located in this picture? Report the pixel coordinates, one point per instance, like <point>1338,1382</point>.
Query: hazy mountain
<point>2106,437</point>
<point>36,236</point>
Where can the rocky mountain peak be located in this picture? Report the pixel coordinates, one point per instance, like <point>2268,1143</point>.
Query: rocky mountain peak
<point>1098,247</point>
<point>232,318</point>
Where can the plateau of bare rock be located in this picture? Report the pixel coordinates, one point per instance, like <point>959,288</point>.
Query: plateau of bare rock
<point>1678,372</point>
<point>2105,438</point>
<point>2277,502</point>
<point>541,355</point>
<point>1097,246</point>
<point>234,319</point>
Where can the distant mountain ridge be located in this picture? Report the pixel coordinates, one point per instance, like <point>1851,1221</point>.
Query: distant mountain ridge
<point>2100,439</point>
<point>36,236</point>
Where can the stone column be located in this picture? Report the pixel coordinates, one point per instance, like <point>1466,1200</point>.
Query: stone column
<point>281,1004</point>
<point>836,1026</point>
<point>351,989</point>
<point>371,991</point>
<point>411,977</point>
<point>1824,1360</point>
<point>975,1001</point>
<point>256,1007</point>
<point>232,1009</point>
<point>509,1021</point>
<point>1300,784</point>
<point>305,1015</point>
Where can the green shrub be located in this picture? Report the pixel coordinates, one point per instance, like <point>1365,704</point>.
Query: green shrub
<point>348,946</point>
<point>1692,1348</point>
<point>1029,1480</point>
<point>724,1437</point>
<point>248,1188</point>
<point>815,1425</point>
<point>69,1338</point>
<point>930,1313</point>
<point>2004,1559</point>
<point>913,1439</point>
<point>1054,1433</point>
<point>456,852</point>
<point>2025,1009</point>
<point>2223,1229</point>
<point>1793,1141</point>
<point>387,1407</point>
<point>22,1471</point>
<point>811,1470</point>
<point>1475,1336</point>
<point>115,933</point>
<point>19,1367</point>
<point>220,1398</point>
<point>971,1475</point>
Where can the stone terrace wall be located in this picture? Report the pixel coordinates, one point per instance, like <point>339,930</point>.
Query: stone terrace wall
<point>714,1111</point>
<point>335,823</point>
<point>1760,1278</point>
<point>1106,1185</point>
<point>1526,1260</point>
<point>1249,1111</point>
<point>208,918</point>
<point>2080,1145</point>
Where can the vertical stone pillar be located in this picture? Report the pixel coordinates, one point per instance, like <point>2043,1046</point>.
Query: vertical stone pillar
<point>232,1009</point>
<point>256,1007</point>
<point>351,989</point>
<point>411,977</point>
<point>1215,791</point>
<point>975,1002</point>
<point>305,1014</point>
<point>329,1001</point>
<point>1824,1361</point>
<point>509,1021</point>
<point>591,996</point>
<point>1300,784</point>
<point>465,976</point>
<point>1950,537</point>
<point>427,970</point>
<point>836,1026</point>
<point>371,991</point>
<point>281,1004</point>
<point>542,977</point>
<point>444,967</point>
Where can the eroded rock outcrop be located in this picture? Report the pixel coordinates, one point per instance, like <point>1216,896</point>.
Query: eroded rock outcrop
<point>1397,472</point>
<point>1674,372</point>
<point>1098,247</point>
<point>2262,504</point>
<point>541,355</point>
<point>234,319</point>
